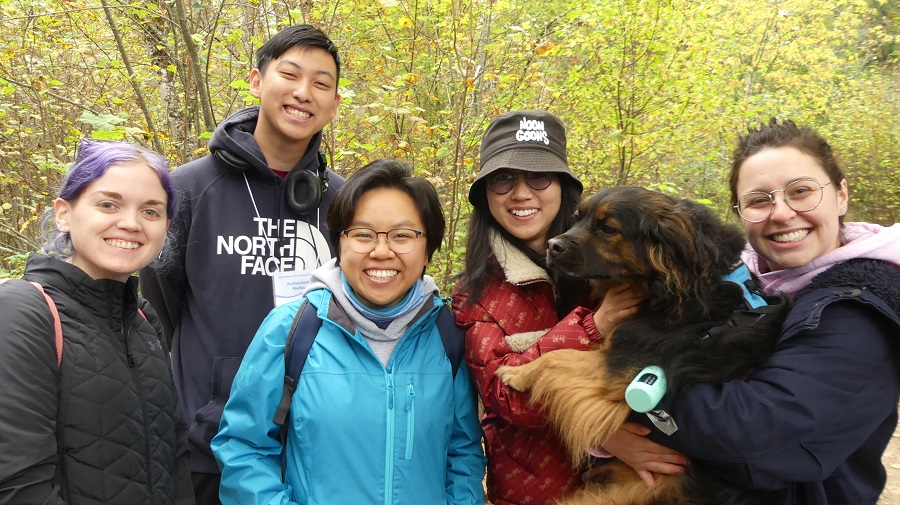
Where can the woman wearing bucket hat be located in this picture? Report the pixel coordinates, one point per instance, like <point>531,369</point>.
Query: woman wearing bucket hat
<point>513,311</point>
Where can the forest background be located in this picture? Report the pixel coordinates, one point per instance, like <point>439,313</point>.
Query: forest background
<point>653,92</point>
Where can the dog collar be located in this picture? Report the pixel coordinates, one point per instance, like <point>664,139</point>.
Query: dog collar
<point>752,294</point>
<point>755,306</point>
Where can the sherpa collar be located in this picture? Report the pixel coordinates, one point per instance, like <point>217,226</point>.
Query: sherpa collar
<point>518,268</point>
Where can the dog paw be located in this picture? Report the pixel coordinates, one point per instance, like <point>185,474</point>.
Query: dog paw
<point>514,377</point>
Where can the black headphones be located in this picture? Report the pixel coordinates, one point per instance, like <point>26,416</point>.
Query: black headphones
<point>303,190</point>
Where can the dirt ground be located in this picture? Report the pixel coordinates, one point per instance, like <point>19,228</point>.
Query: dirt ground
<point>891,459</point>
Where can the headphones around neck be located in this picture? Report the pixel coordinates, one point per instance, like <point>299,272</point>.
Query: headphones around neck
<point>303,189</point>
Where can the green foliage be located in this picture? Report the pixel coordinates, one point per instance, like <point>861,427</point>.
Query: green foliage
<point>654,92</point>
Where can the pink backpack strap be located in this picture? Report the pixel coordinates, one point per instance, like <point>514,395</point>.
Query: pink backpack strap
<point>57,327</point>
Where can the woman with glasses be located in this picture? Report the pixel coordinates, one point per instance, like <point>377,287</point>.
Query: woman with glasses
<point>378,414</point>
<point>513,311</point>
<point>811,424</point>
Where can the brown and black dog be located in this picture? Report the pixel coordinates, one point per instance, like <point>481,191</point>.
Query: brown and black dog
<point>693,325</point>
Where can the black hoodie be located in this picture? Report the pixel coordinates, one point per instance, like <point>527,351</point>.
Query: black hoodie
<point>228,245</point>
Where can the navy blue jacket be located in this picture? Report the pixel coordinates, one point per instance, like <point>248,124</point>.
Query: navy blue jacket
<point>810,425</point>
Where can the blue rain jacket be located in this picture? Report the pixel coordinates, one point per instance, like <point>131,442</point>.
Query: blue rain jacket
<point>359,432</point>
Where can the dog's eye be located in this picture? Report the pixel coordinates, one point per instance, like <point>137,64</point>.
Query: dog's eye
<point>607,229</point>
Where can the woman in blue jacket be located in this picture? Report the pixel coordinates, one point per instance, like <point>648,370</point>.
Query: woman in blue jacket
<point>810,425</point>
<point>378,416</point>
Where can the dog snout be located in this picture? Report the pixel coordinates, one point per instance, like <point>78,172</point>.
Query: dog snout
<point>557,246</point>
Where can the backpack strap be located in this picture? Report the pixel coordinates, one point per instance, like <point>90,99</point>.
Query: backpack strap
<point>57,326</point>
<point>300,339</point>
<point>451,337</point>
<point>303,332</point>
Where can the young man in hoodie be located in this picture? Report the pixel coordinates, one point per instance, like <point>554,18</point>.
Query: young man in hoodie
<point>250,227</point>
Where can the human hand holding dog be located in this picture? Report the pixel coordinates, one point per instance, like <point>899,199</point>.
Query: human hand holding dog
<point>631,445</point>
<point>619,303</point>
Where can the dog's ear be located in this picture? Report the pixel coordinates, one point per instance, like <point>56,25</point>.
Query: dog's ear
<point>720,243</point>
<point>669,242</point>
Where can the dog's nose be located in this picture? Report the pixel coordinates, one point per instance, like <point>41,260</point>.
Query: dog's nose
<point>556,246</point>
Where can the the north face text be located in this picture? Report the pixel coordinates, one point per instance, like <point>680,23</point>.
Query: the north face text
<point>279,245</point>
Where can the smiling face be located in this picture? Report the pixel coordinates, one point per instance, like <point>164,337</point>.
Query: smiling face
<point>526,213</point>
<point>297,95</point>
<point>790,239</point>
<point>117,225</point>
<point>381,278</point>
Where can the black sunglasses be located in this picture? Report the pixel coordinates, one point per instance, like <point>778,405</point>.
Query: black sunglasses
<point>503,182</point>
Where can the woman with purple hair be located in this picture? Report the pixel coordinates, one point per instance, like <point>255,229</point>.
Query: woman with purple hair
<point>93,417</point>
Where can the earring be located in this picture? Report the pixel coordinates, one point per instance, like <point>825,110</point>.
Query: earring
<point>843,209</point>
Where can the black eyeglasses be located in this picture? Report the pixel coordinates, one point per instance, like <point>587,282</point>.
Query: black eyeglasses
<point>364,240</point>
<point>503,182</point>
<point>802,195</point>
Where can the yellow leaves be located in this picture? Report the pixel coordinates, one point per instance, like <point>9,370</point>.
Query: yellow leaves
<point>402,149</point>
<point>410,78</point>
<point>405,22</point>
<point>545,48</point>
<point>470,83</point>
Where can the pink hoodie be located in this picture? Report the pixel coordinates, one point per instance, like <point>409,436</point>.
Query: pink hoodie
<point>859,240</point>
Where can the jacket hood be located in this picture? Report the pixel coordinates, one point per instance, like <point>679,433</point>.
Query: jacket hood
<point>233,144</point>
<point>877,276</point>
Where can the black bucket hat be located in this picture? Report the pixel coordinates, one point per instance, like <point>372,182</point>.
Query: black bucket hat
<point>529,140</point>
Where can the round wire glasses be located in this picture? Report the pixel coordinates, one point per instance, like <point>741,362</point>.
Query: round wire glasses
<point>802,195</point>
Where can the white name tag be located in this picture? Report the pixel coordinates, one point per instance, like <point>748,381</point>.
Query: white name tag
<point>287,286</point>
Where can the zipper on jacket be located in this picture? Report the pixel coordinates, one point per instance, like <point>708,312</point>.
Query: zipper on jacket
<point>64,484</point>
<point>137,386</point>
<point>390,391</point>
<point>129,357</point>
<point>410,419</point>
<point>389,442</point>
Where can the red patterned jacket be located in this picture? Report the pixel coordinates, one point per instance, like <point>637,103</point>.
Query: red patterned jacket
<point>513,323</point>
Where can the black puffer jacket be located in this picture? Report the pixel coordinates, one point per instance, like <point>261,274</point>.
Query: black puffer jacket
<point>104,425</point>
